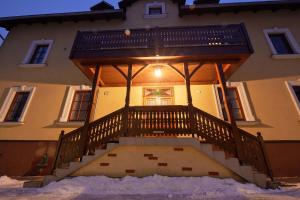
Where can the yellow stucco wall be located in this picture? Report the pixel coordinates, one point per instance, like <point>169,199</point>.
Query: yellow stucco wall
<point>265,77</point>
<point>136,158</point>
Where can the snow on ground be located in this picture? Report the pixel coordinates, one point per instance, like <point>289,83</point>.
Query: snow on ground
<point>149,188</point>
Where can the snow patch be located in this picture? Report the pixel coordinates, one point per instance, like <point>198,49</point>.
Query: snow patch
<point>6,182</point>
<point>152,187</point>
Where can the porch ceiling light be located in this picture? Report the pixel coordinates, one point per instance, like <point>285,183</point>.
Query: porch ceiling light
<point>157,71</point>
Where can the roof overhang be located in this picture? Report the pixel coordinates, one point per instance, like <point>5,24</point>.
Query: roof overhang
<point>8,22</point>
<point>239,7</point>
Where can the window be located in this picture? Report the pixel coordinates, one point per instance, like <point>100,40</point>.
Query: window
<point>238,100</point>
<point>16,107</point>
<point>294,90</point>
<point>234,101</point>
<point>155,10</point>
<point>79,106</point>
<point>282,43</point>
<point>158,96</point>
<point>37,54</point>
<point>76,104</point>
<point>16,104</point>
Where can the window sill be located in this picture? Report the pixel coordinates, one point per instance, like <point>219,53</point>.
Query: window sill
<point>286,56</point>
<point>247,123</point>
<point>70,124</point>
<point>33,65</point>
<point>11,123</point>
<point>146,16</point>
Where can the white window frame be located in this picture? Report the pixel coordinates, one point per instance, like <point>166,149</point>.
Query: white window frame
<point>34,44</point>
<point>64,118</point>
<point>9,99</point>
<point>154,5</point>
<point>290,38</point>
<point>295,100</point>
<point>249,117</point>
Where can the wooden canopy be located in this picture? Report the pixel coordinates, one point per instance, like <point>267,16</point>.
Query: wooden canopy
<point>168,49</point>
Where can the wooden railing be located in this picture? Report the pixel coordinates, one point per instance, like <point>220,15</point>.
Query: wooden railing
<point>137,121</point>
<point>126,42</point>
<point>158,120</point>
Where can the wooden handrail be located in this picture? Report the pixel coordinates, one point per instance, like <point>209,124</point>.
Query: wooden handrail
<point>163,121</point>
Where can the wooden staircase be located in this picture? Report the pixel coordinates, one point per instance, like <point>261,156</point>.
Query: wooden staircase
<point>84,144</point>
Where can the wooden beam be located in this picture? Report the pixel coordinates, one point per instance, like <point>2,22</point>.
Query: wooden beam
<point>127,100</point>
<point>179,72</point>
<point>101,82</point>
<point>139,71</point>
<point>196,69</point>
<point>188,84</point>
<point>91,110</point>
<point>118,69</point>
<point>236,134</point>
<point>128,86</point>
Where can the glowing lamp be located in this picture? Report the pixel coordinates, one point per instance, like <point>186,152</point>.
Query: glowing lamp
<point>157,72</point>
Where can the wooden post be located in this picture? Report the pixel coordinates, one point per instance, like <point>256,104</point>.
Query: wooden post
<point>237,137</point>
<point>188,84</point>
<point>127,99</point>
<point>90,111</point>
<point>265,154</point>
<point>57,151</point>
<point>189,98</point>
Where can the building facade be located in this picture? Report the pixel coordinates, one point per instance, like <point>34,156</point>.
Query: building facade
<point>45,87</point>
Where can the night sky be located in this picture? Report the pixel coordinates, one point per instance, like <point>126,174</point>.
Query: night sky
<point>30,7</point>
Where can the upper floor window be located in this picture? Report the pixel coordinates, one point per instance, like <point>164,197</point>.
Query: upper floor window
<point>282,43</point>
<point>294,89</point>
<point>16,104</point>
<point>37,54</point>
<point>238,101</point>
<point>76,104</point>
<point>155,10</point>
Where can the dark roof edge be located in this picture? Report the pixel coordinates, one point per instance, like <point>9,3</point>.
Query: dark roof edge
<point>8,22</point>
<point>238,7</point>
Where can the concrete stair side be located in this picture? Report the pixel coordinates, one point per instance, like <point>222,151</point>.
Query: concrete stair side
<point>233,164</point>
<point>246,172</point>
<point>61,173</point>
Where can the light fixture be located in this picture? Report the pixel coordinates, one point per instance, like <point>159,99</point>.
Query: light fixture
<point>157,71</point>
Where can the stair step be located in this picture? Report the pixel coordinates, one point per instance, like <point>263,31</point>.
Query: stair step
<point>33,184</point>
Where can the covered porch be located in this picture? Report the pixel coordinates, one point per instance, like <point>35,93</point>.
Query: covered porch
<point>162,56</point>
